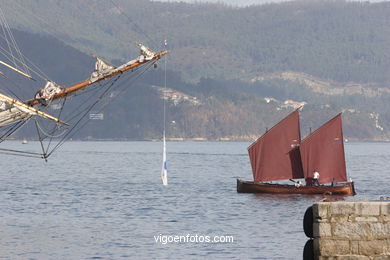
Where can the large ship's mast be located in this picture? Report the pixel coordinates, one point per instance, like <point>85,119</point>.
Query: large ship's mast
<point>125,67</point>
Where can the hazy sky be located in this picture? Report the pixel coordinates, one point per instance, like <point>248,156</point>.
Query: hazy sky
<point>250,2</point>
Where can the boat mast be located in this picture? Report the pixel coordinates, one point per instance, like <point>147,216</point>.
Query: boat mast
<point>27,109</point>
<point>81,85</point>
<point>15,69</point>
<point>164,170</point>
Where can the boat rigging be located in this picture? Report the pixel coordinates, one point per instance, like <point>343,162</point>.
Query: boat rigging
<point>66,107</point>
<point>164,168</point>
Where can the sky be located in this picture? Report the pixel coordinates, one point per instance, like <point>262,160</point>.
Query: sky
<point>250,2</point>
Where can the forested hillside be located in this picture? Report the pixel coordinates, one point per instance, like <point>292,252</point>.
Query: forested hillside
<point>232,71</point>
<point>343,41</point>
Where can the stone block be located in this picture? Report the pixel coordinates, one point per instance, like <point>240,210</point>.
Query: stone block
<point>368,208</point>
<point>379,230</point>
<point>381,257</point>
<point>385,208</point>
<point>351,230</point>
<point>327,258</point>
<point>331,247</point>
<point>320,211</point>
<point>347,230</point>
<point>322,230</point>
<point>366,219</point>
<point>339,218</point>
<point>351,257</point>
<point>354,245</point>
<point>372,247</point>
<point>316,248</point>
<point>342,208</point>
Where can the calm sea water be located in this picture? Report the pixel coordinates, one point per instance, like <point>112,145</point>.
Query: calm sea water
<point>105,200</point>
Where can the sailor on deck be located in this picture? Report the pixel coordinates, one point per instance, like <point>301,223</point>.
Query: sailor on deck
<point>316,175</point>
<point>298,184</point>
<point>40,96</point>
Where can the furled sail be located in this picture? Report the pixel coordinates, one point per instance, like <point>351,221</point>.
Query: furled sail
<point>323,151</point>
<point>107,74</point>
<point>48,92</point>
<point>14,113</point>
<point>274,156</point>
<point>12,110</point>
<point>102,68</point>
<point>11,115</point>
<point>145,52</point>
<point>104,79</point>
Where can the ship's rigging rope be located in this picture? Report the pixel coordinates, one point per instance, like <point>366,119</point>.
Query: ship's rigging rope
<point>84,113</point>
<point>48,150</point>
<point>45,132</point>
<point>165,93</point>
<point>47,137</point>
<point>20,153</point>
<point>139,29</point>
<point>33,67</point>
<point>108,87</point>
<point>22,59</point>
<point>13,92</point>
<point>11,43</point>
<point>56,33</point>
<point>9,130</point>
<point>46,24</point>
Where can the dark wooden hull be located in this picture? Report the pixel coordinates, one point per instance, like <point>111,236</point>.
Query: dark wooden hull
<point>346,189</point>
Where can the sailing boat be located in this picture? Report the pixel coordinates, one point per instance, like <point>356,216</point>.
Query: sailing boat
<point>280,154</point>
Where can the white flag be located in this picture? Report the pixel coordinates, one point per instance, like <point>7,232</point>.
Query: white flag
<point>164,170</point>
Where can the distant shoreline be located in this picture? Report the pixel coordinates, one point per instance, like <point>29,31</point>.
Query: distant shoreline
<point>196,139</point>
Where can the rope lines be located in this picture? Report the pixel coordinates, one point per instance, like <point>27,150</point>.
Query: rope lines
<point>78,105</point>
<point>139,29</point>
<point>106,88</point>
<point>11,43</point>
<point>165,95</point>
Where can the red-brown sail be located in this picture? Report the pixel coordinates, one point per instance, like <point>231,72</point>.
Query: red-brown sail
<point>274,155</point>
<point>323,151</point>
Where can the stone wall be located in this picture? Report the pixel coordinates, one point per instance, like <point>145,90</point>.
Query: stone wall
<point>351,230</point>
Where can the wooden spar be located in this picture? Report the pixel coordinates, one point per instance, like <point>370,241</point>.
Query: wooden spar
<point>85,83</point>
<point>27,109</point>
<point>15,69</point>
